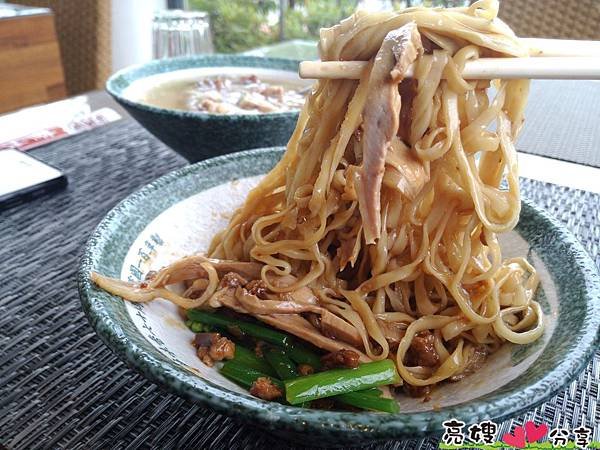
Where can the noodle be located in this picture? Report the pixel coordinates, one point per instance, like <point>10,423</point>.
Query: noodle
<point>414,245</point>
<point>449,126</point>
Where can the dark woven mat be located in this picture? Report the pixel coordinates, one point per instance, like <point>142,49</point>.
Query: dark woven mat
<point>563,121</point>
<point>60,387</point>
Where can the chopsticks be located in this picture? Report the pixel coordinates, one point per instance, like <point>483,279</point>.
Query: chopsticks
<point>551,59</point>
<point>550,68</point>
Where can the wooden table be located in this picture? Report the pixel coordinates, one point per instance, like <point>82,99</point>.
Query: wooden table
<point>30,59</point>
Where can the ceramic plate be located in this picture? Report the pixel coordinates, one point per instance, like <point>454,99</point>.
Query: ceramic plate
<point>178,214</point>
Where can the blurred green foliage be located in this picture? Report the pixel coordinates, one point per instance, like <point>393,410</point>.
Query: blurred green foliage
<point>305,22</point>
<point>239,25</point>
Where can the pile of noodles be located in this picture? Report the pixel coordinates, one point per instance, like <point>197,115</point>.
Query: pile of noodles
<point>435,262</point>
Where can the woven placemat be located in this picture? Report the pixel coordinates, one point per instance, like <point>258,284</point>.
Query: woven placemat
<point>60,387</point>
<point>562,121</point>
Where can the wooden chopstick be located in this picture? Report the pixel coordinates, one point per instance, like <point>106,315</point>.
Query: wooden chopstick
<point>551,68</point>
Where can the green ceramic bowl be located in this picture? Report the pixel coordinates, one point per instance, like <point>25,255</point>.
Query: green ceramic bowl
<point>177,215</point>
<point>197,136</point>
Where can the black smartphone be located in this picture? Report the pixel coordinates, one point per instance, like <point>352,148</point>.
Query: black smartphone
<point>23,177</point>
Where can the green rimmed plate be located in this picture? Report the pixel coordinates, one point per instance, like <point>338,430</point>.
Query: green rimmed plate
<point>178,214</point>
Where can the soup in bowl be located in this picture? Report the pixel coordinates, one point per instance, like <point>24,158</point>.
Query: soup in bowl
<point>239,91</point>
<point>205,106</point>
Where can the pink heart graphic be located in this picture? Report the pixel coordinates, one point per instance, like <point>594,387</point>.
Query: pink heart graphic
<point>517,439</point>
<point>535,433</point>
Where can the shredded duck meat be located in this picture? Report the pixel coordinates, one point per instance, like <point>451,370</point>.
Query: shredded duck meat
<point>381,115</point>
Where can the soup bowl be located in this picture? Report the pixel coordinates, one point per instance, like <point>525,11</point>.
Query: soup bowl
<point>198,135</point>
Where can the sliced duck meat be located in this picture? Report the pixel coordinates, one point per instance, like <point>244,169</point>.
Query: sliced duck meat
<point>381,115</point>
<point>254,305</point>
<point>298,326</point>
<point>329,324</point>
<point>404,171</point>
<point>337,328</point>
<point>303,295</point>
<point>190,268</point>
<point>226,297</point>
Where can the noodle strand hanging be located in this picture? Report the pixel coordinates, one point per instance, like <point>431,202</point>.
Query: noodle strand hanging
<point>377,230</point>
